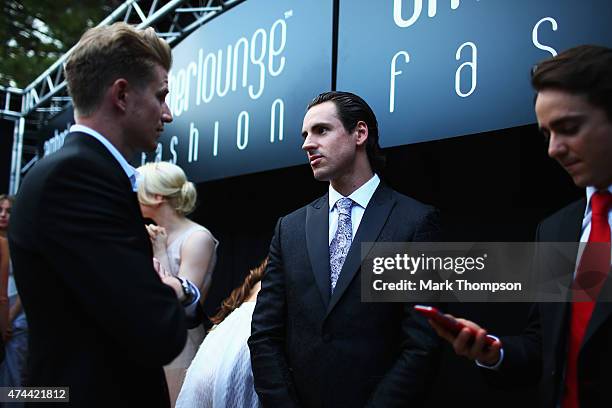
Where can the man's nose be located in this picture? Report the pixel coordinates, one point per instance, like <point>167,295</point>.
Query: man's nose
<point>166,114</point>
<point>308,144</point>
<point>556,147</point>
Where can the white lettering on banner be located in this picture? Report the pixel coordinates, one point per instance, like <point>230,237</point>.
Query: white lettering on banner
<point>242,138</point>
<point>194,137</point>
<point>216,73</point>
<point>57,141</point>
<point>277,125</point>
<point>259,62</point>
<point>395,73</point>
<point>173,142</point>
<point>535,39</point>
<point>473,64</point>
<point>216,139</point>
<point>228,66</point>
<point>244,66</point>
<point>274,52</point>
<point>281,114</point>
<point>208,73</point>
<point>158,152</point>
<point>432,9</point>
<point>245,54</point>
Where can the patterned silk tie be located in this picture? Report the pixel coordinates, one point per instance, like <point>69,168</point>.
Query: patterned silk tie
<point>590,277</point>
<point>341,243</point>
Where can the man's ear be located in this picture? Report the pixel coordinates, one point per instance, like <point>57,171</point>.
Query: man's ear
<point>119,91</point>
<point>361,133</point>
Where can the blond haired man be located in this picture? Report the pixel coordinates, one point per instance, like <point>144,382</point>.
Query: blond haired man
<point>101,320</point>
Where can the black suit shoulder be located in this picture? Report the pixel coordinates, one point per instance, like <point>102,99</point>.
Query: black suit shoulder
<point>563,225</point>
<point>81,156</point>
<point>415,209</point>
<point>76,179</point>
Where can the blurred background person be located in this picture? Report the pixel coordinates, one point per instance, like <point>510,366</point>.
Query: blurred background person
<point>220,375</point>
<point>16,332</point>
<point>184,248</point>
<point>4,305</point>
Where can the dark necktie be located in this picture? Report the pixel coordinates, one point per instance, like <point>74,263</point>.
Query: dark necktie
<point>590,277</point>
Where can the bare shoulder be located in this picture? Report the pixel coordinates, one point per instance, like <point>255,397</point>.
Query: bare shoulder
<point>199,240</point>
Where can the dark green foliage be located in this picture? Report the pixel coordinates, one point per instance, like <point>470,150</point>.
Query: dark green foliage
<point>35,33</point>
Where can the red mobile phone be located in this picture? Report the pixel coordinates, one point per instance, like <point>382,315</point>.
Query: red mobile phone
<point>448,323</point>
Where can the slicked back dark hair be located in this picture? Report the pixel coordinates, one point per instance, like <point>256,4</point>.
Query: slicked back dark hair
<point>351,109</point>
<point>584,70</point>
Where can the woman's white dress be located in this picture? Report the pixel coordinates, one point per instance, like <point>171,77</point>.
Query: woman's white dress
<point>175,370</point>
<point>220,375</point>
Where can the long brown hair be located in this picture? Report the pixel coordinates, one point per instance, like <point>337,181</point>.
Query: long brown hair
<point>238,295</point>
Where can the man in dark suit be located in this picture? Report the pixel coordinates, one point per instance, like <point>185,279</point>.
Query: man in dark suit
<point>567,346</point>
<point>314,343</point>
<point>101,320</point>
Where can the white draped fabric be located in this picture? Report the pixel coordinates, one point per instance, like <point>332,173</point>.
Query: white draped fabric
<point>220,375</point>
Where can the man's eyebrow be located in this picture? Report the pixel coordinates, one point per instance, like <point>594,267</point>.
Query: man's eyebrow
<point>316,125</point>
<point>321,124</point>
<point>567,119</point>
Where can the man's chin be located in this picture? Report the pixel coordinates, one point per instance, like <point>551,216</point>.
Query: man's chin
<point>320,175</point>
<point>580,182</point>
<point>150,148</point>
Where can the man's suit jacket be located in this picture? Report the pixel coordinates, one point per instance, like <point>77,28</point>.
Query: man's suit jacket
<point>100,320</point>
<point>540,353</point>
<point>311,349</point>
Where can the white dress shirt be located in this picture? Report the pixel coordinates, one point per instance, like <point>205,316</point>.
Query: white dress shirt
<point>586,221</point>
<point>361,197</point>
<point>130,171</point>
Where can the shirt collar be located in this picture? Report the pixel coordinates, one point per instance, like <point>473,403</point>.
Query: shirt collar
<point>361,196</point>
<point>590,190</point>
<point>130,171</point>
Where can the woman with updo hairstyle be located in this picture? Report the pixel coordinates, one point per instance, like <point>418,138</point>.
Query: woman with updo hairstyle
<point>182,247</point>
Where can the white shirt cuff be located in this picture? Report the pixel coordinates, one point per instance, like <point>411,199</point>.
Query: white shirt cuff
<point>190,309</point>
<point>496,365</point>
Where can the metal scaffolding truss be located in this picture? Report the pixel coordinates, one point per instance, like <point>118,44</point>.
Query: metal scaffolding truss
<point>32,107</point>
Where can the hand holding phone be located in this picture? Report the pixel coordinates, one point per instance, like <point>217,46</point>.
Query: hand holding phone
<point>448,323</point>
<point>472,343</point>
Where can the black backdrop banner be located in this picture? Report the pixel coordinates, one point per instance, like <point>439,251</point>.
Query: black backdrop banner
<point>239,88</point>
<point>437,69</point>
<point>430,70</point>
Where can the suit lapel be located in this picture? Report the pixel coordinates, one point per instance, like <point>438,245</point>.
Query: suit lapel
<point>570,227</point>
<point>602,311</point>
<point>99,152</point>
<point>373,220</point>
<point>96,148</point>
<point>570,231</point>
<point>317,237</point>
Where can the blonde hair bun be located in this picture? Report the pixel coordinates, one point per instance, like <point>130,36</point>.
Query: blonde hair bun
<point>169,181</point>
